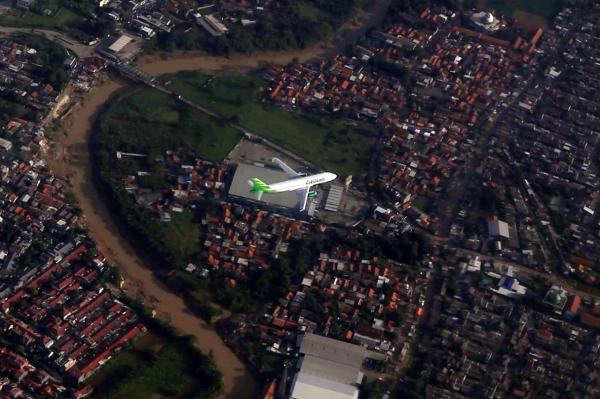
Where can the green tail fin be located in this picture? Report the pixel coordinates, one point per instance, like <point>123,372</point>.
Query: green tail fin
<point>259,186</point>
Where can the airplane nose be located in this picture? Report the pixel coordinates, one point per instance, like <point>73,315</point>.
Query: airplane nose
<point>333,176</point>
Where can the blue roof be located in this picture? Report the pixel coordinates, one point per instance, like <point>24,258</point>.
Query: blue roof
<point>508,282</point>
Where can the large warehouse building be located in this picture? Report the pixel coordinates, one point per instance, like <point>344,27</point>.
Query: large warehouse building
<point>240,188</point>
<point>329,369</point>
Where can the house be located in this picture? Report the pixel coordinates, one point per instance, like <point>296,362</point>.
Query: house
<point>510,287</point>
<point>25,4</point>
<point>572,308</point>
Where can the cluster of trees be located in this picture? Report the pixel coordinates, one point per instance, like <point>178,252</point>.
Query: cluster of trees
<point>85,8</point>
<point>415,381</point>
<point>10,106</point>
<point>137,220</point>
<point>271,284</point>
<point>92,21</point>
<point>287,27</point>
<point>97,27</point>
<point>208,379</point>
<point>50,59</point>
<point>405,75</point>
<point>48,67</point>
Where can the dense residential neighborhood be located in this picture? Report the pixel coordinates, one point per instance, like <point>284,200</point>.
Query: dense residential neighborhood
<point>54,303</point>
<point>462,262</point>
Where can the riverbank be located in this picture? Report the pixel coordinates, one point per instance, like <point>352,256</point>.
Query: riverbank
<point>195,60</point>
<point>71,159</point>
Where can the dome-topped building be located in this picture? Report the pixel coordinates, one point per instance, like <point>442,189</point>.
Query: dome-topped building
<point>485,20</point>
<point>489,18</point>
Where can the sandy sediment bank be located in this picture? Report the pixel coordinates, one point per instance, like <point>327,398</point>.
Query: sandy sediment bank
<point>71,159</point>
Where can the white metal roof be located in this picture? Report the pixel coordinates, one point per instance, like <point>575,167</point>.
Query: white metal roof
<point>498,228</point>
<point>120,43</point>
<point>311,387</point>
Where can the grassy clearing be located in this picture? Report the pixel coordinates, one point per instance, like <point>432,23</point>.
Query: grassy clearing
<point>185,233</point>
<point>309,11</point>
<point>322,140</point>
<point>54,16</point>
<point>544,8</point>
<point>154,368</point>
<point>148,121</point>
<point>421,203</point>
<point>61,18</point>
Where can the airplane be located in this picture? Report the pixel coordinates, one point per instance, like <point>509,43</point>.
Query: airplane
<point>298,182</point>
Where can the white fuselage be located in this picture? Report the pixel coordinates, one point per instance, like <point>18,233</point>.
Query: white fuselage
<point>302,182</point>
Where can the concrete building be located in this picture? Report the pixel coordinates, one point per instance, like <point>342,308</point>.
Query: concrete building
<point>486,21</point>
<point>509,286</point>
<point>329,369</point>
<point>25,4</point>
<point>556,299</point>
<point>211,24</point>
<point>120,43</point>
<point>498,229</point>
<point>239,186</point>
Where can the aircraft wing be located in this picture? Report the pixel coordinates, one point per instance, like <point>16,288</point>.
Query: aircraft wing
<point>303,197</point>
<point>288,171</point>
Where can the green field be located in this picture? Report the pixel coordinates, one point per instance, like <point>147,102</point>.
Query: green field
<point>154,368</point>
<point>421,203</point>
<point>148,121</point>
<point>184,233</point>
<point>543,8</point>
<point>151,368</point>
<point>53,16</point>
<point>322,140</point>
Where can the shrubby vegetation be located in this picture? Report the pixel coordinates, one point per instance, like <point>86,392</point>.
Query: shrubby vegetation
<point>161,363</point>
<point>293,24</point>
<point>271,284</point>
<point>81,19</point>
<point>149,122</point>
<point>47,66</point>
<point>50,59</point>
<point>10,106</point>
<point>321,139</point>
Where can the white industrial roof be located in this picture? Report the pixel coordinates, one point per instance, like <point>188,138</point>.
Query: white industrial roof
<point>334,198</point>
<point>120,43</point>
<point>498,228</point>
<point>333,350</point>
<point>311,387</point>
<point>331,370</point>
<point>244,172</point>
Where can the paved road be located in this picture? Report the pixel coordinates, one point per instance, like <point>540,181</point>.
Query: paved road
<point>81,50</point>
